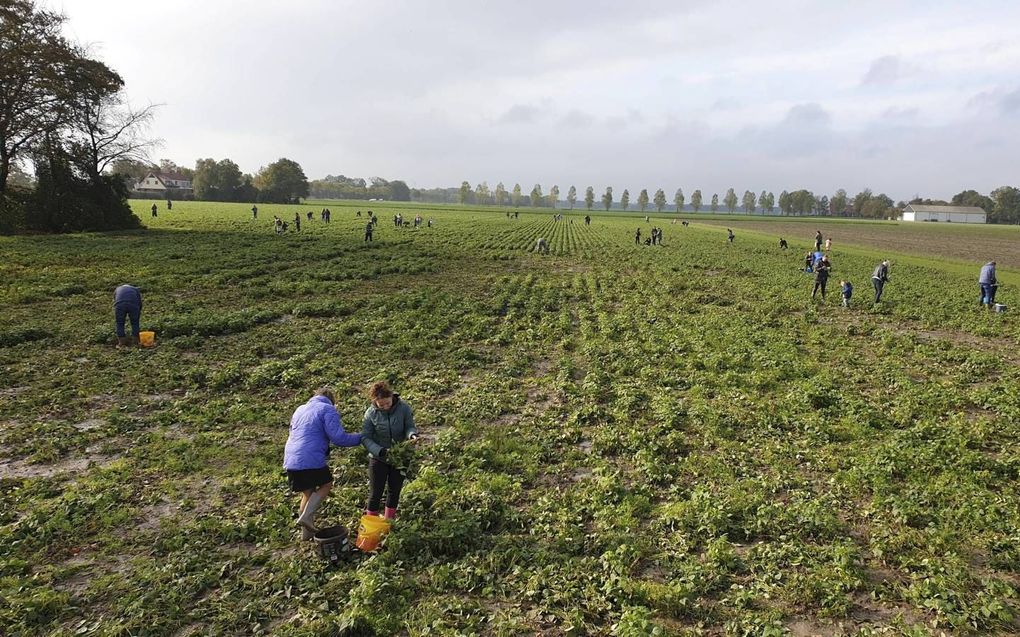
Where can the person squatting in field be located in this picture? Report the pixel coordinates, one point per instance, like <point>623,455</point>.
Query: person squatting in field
<point>542,246</point>
<point>989,284</point>
<point>127,303</point>
<point>313,427</point>
<point>879,278</point>
<point>388,421</point>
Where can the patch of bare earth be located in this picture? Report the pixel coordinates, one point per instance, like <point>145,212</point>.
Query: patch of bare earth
<point>21,469</point>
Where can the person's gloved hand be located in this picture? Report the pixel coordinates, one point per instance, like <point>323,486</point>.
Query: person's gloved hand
<point>382,454</point>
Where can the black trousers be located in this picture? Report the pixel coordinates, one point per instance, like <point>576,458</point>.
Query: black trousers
<point>382,476</point>
<point>879,284</point>
<point>819,285</point>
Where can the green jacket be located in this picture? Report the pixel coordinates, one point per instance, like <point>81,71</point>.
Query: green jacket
<point>383,429</point>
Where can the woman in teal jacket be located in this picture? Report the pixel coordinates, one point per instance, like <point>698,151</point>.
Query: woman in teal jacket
<point>388,421</point>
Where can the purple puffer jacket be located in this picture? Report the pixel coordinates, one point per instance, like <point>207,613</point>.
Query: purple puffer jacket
<point>312,427</point>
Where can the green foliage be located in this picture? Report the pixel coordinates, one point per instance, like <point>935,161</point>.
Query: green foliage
<point>282,181</point>
<point>614,439</point>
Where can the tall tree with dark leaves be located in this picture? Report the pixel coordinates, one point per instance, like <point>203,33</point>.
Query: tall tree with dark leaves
<point>536,196</point>
<point>659,200</point>
<point>607,198</point>
<point>730,200</point>
<point>749,201</point>
<point>282,181</point>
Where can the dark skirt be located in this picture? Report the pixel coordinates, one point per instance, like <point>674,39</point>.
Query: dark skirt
<point>306,479</point>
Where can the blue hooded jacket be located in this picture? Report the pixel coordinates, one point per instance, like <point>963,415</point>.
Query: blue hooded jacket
<point>312,427</point>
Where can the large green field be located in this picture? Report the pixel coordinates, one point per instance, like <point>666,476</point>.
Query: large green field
<point>619,439</point>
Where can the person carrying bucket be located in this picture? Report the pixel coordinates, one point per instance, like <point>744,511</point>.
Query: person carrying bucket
<point>127,303</point>
<point>313,427</point>
<point>388,422</point>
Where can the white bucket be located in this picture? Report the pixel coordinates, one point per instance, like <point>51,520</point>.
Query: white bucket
<point>999,307</point>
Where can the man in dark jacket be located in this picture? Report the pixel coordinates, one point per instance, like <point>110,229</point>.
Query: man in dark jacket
<point>822,269</point>
<point>879,278</point>
<point>127,303</point>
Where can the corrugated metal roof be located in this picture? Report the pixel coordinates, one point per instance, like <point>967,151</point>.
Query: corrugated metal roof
<point>970,210</point>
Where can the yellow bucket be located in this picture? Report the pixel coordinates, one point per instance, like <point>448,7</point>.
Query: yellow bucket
<point>147,339</point>
<point>371,530</point>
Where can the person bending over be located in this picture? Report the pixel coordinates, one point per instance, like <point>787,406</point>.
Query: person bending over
<point>313,427</point>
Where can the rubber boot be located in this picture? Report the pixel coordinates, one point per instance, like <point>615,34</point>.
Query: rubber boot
<point>390,513</point>
<point>372,513</point>
<point>134,340</point>
<point>122,341</point>
<point>307,534</point>
<point>307,518</point>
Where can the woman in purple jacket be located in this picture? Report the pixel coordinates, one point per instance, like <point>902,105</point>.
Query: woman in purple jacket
<point>313,427</point>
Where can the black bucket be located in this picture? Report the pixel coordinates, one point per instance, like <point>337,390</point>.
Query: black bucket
<point>333,544</point>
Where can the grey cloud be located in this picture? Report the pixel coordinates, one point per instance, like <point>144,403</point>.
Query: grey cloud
<point>520,114</point>
<point>1010,102</point>
<point>885,70</point>
<point>616,123</point>
<point>805,130</point>
<point>999,101</point>
<point>576,119</point>
<point>807,115</point>
<point>898,114</point>
<point>726,104</point>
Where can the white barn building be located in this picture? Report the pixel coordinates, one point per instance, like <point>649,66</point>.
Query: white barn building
<point>163,182</point>
<point>955,214</point>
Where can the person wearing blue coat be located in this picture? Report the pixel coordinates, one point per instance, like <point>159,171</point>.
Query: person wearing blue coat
<point>313,427</point>
<point>127,304</point>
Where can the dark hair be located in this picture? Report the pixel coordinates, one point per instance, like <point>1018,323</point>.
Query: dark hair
<point>327,392</point>
<point>380,389</point>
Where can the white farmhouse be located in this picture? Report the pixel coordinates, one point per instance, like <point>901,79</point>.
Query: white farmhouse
<point>956,214</point>
<point>164,182</point>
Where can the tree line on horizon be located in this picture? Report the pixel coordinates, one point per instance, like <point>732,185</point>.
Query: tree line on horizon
<point>1002,205</point>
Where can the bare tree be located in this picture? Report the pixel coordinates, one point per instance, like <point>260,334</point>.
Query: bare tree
<point>108,130</point>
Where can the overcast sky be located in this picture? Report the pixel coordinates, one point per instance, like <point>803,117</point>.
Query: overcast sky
<point>904,97</point>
